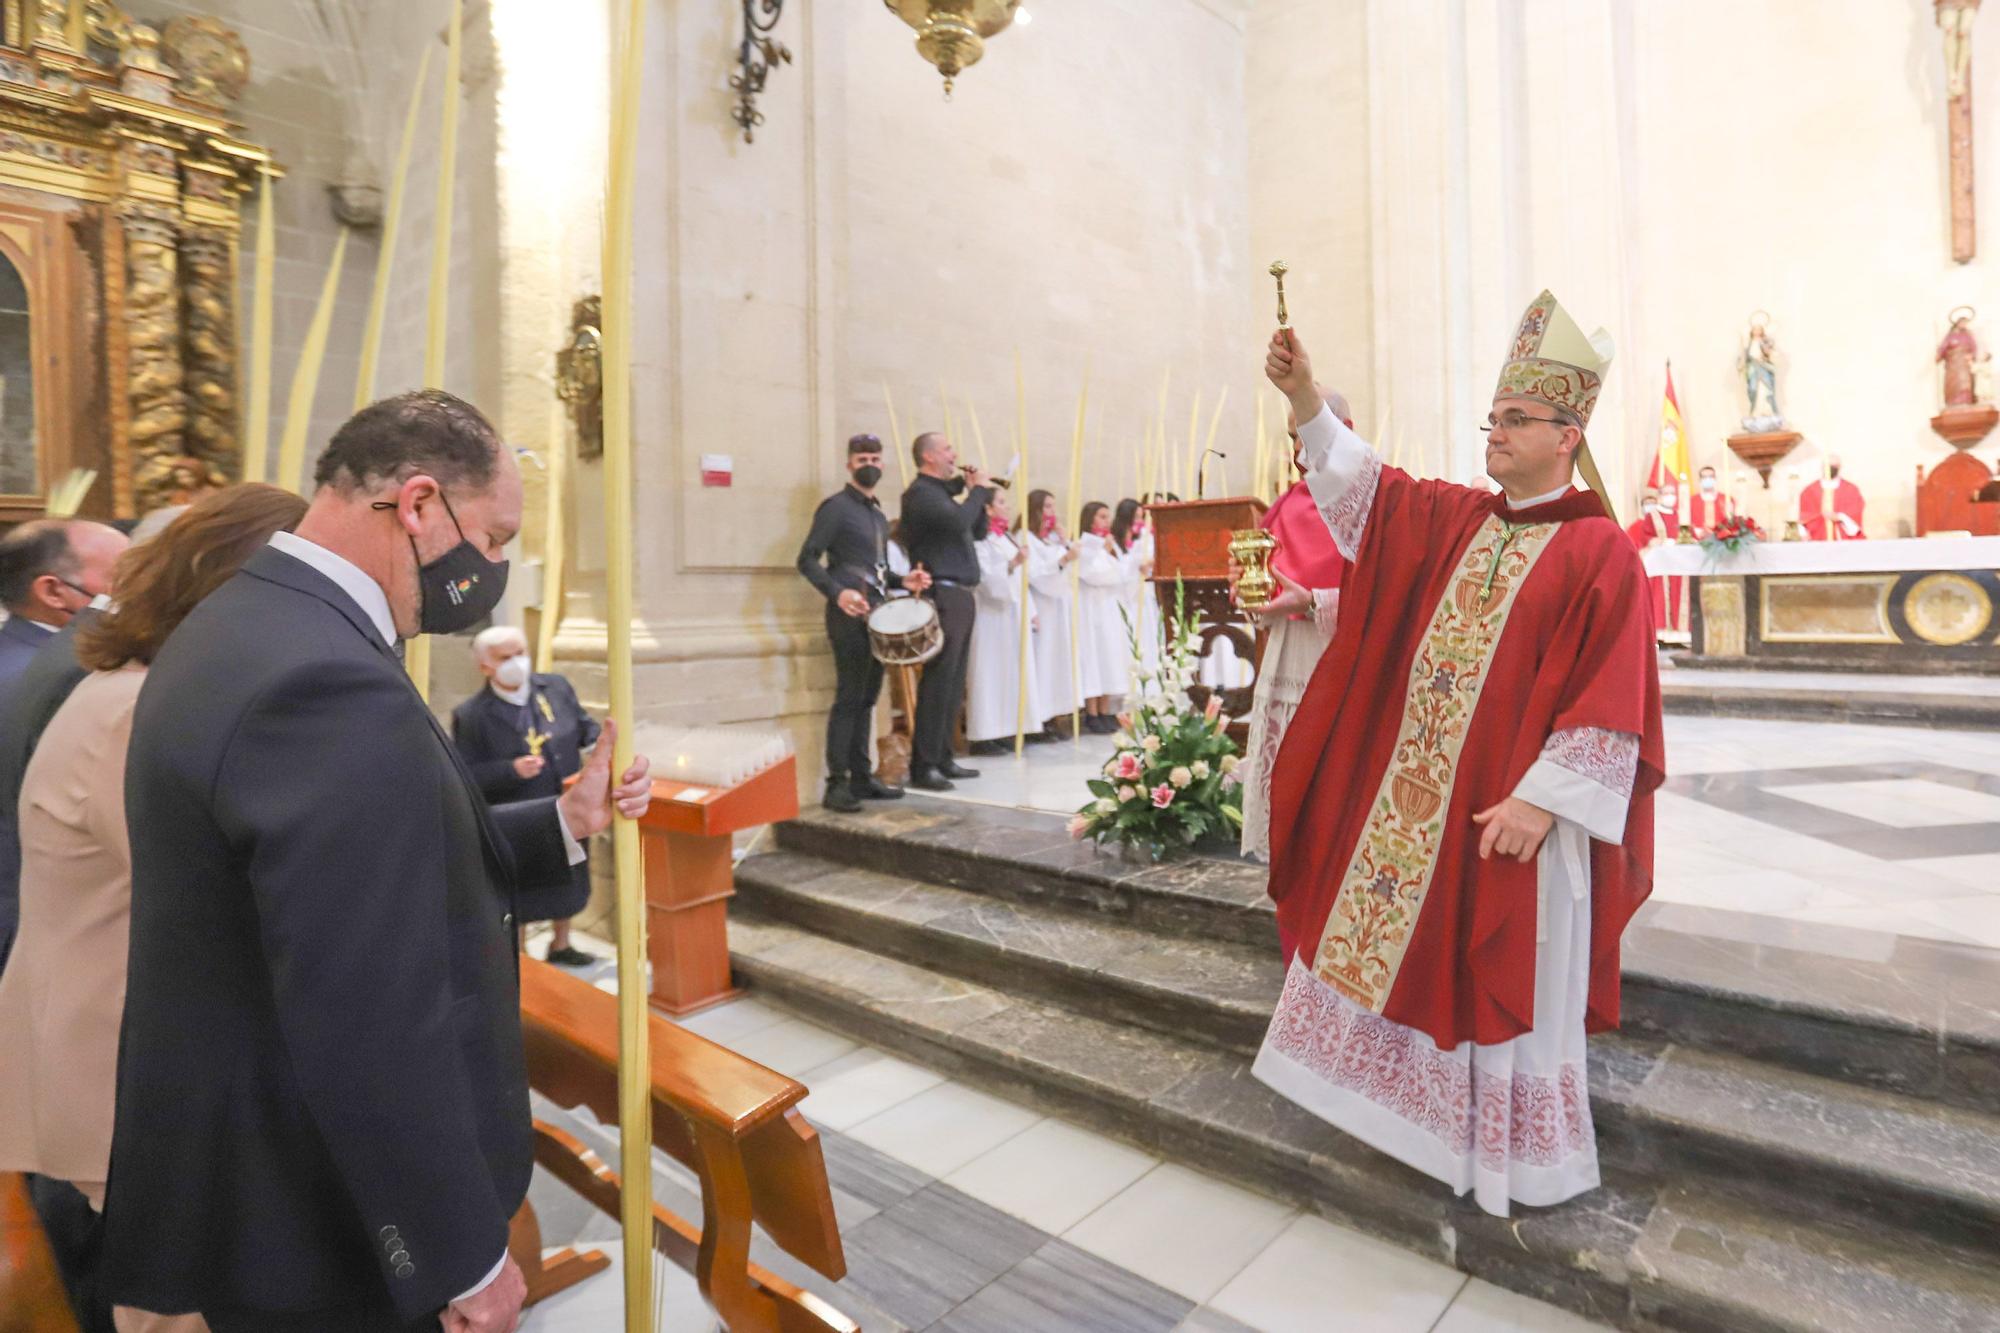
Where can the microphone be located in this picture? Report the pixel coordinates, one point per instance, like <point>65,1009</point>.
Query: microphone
<point>1201,470</point>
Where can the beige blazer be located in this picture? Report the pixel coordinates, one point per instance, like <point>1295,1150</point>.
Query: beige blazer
<point>63,993</point>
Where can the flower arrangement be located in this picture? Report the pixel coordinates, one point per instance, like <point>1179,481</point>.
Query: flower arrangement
<point>1732,534</point>
<point>1173,777</point>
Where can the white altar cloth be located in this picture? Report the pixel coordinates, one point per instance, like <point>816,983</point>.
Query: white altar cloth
<point>1861,557</point>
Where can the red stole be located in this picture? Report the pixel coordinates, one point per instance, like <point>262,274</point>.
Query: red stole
<point>1306,553</point>
<point>1576,651</point>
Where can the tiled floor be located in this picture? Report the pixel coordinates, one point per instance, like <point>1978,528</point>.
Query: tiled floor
<point>1886,830</point>
<point>968,1214</point>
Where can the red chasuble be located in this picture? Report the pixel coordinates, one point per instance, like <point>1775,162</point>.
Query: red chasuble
<point>1813,511</point>
<point>1668,591</point>
<point>1467,635</point>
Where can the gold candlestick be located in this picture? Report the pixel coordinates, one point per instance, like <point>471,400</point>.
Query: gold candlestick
<point>1278,271</point>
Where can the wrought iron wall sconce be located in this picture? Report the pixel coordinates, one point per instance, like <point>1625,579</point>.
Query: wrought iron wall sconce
<point>756,55</point>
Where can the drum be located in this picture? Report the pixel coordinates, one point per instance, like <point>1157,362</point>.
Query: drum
<point>905,631</point>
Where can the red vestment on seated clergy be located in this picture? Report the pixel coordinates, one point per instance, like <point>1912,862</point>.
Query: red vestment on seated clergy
<point>1468,635</point>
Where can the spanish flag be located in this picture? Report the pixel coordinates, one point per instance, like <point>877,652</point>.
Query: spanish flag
<point>1670,461</point>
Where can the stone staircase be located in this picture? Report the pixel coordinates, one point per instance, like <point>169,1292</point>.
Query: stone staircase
<point>1771,1162</point>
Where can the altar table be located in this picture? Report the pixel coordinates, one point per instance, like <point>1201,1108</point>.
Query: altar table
<point>1922,604</point>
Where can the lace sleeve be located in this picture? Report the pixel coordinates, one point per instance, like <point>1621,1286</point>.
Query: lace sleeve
<point>1585,775</point>
<point>1342,472</point>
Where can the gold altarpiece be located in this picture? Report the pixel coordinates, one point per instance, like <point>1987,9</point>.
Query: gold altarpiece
<point>122,178</point>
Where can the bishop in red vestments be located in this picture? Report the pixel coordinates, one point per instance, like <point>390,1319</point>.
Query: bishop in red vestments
<point>1461,816</point>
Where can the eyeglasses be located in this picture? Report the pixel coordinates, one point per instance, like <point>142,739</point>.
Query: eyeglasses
<point>1515,421</point>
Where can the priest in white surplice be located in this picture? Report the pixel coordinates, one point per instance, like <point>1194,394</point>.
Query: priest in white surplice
<point>1050,554</point>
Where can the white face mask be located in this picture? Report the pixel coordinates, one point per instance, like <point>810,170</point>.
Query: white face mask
<point>511,674</point>
<point>1708,485</point>
<point>1649,508</point>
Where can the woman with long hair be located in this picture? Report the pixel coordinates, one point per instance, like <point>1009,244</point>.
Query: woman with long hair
<point>63,994</point>
<point>1053,606</point>
<point>1104,652</point>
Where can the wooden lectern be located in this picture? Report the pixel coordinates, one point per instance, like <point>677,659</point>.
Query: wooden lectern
<point>685,840</point>
<point>1191,543</point>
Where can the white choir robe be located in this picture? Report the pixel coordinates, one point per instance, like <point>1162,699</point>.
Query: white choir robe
<point>1506,1121</point>
<point>1145,601</point>
<point>1291,652</point>
<point>1055,616</point>
<point>993,674</point>
<point>1104,652</point>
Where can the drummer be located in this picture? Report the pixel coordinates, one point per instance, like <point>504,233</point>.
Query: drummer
<point>845,556</point>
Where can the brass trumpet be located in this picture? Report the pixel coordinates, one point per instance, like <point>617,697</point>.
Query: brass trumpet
<point>1003,483</point>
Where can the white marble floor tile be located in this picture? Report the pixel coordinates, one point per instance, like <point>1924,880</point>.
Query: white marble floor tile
<point>726,1023</point>
<point>1053,1175</point>
<point>1485,1308</point>
<point>791,1047</point>
<point>1974,919</point>
<point>1754,889</point>
<point>598,1303</point>
<point>1316,1276</point>
<point>865,1082</point>
<point>940,1130</point>
<point>1911,920</point>
<point>1975,872</point>
<point>1188,1232</point>
<point>1901,802</point>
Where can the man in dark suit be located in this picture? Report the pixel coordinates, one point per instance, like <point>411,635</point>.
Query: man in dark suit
<point>522,736</point>
<point>50,570</point>
<point>939,529</point>
<point>322,1116</point>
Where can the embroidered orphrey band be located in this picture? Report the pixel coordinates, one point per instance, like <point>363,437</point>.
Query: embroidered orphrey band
<point>1375,914</point>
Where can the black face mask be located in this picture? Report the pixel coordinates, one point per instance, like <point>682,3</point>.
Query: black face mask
<point>866,477</point>
<point>458,589</point>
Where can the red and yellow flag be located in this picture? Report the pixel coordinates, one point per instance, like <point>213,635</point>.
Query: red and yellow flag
<point>1670,461</point>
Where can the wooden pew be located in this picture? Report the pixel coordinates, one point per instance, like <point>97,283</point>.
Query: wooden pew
<point>32,1299</point>
<point>726,1117</point>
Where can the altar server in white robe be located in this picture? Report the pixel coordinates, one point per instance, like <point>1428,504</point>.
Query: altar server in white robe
<point>1050,554</point>
<point>993,684</point>
<point>1104,649</point>
<point>1135,538</point>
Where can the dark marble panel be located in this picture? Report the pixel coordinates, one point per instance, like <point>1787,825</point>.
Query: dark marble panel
<point>1061,1289</point>
<point>1102,1059</point>
<point>1578,1255</point>
<point>1206,1320</point>
<point>873,1177</point>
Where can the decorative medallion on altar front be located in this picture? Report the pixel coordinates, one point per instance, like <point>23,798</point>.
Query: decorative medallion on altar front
<point>1948,609</point>
<point>211,60</point>
<point>1375,914</point>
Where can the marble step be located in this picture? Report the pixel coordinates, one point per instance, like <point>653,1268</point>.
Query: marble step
<point>1199,1105</point>
<point>1216,991</point>
<point>1930,1031</point>
<point>1787,702</point>
<point>1026,856</point>
<point>1663,1108</point>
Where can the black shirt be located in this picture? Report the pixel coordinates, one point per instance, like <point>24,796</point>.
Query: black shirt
<point>848,546</point>
<point>938,531</point>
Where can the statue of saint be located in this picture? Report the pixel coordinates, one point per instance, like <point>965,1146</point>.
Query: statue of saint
<point>1956,17</point>
<point>1759,365</point>
<point>1959,353</point>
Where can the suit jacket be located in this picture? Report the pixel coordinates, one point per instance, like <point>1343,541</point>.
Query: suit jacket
<point>322,1102</point>
<point>61,999</point>
<point>20,640</point>
<point>492,733</point>
<point>33,699</point>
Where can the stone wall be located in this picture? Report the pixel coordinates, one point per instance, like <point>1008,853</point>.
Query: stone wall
<point>1666,169</point>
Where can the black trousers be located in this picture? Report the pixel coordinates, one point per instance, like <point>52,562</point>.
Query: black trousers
<point>941,696</point>
<point>858,682</point>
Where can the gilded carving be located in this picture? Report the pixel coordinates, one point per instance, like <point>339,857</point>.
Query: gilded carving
<point>1948,609</point>
<point>1722,618</point>
<point>211,60</point>
<point>580,376</point>
<point>210,349</point>
<point>155,380</point>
